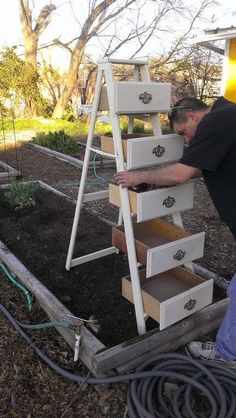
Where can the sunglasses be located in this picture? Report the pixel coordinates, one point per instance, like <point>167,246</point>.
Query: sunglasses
<point>174,109</point>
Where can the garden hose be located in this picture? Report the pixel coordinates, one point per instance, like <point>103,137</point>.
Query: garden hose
<point>210,381</point>
<point>20,286</point>
<point>100,179</point>
<point>63,324</point>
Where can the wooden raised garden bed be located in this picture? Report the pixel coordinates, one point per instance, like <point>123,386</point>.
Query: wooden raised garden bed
<point>34,244</point>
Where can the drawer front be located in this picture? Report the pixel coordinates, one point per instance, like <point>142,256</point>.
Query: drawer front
<point>175,253</point>
<point>185,304</point>
<point>154,150</point>
<point>140,97</point>
<point>162,202</point>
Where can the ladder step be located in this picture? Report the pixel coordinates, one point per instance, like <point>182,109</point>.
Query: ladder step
<point>100,152</point>
<point>124,61</point>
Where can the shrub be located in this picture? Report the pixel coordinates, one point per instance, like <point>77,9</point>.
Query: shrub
<point>22,194</point>
<point>58,141</point>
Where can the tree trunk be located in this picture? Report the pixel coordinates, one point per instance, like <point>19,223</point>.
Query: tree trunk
<point>71,81</point>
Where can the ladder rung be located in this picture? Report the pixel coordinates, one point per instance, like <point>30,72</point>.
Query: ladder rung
<point>104,118</point>
<point>100,152</point>
<point>88,197</point>
<point>93,256</point>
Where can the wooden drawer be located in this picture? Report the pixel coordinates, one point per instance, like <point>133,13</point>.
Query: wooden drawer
<point>160,245</point>
<point>137,97</point>
<point>171,296</point>
<point>155,203</point>
<point>145,151</point>
<point>107,144</point>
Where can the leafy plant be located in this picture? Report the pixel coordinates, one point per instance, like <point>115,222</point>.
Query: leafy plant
<point>22,194</point>
<point>58,141</point>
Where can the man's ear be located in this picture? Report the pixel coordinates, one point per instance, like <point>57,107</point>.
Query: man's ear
<point>193,116</point>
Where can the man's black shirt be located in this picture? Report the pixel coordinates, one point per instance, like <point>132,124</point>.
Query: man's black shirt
<point>213,150</point>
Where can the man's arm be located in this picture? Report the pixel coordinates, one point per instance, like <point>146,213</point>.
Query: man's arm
<point>173,174</point>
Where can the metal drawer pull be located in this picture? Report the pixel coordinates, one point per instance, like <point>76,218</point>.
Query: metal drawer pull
<point>169,202</point>
<point>158,151</point>
<point>190,304</point>
<point>145,97</point>
<point>179,255</point>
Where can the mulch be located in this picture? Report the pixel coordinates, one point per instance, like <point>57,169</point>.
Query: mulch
<point>28,387</point>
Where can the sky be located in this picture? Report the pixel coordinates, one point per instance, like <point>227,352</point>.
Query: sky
<point>10,33</point>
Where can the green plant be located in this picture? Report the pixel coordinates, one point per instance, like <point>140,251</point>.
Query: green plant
<point>58,141</point>
<point>22,194</point>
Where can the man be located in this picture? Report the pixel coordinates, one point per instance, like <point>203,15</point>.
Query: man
<point>211,135</point>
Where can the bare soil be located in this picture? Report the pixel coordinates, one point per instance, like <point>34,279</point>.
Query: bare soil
<point>40,237</point>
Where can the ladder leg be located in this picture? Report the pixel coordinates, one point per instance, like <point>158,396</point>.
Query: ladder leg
<point>84,171</point>
<point>129,233</point>
<point>120,217</point>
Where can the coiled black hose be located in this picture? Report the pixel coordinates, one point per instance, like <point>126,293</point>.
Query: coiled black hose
<point>211,381</point>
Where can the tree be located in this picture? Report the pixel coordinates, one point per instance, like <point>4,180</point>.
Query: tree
<point>142,20</point>
<point>101,15</point>
<point>19,83</point>
<point>31,30</point>
<point>196,73</point>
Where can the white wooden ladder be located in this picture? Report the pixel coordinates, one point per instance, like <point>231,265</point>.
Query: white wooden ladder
<point>105,73</point>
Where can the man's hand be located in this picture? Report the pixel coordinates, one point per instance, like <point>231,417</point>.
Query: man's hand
<point>173,174</point>
<point>129,178</point>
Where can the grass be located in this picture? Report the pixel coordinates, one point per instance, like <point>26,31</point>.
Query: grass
<point>75,128</point>
<point>46,125</point>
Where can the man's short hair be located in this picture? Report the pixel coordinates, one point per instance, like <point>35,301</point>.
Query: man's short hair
<point>178,112</point>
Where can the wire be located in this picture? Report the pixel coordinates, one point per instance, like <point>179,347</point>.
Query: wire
<point>208,380</point>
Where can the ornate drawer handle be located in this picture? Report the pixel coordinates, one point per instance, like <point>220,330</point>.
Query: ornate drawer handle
<point>190,304</point>
<point>145,97</point>
<point>158,151</point>
<point>179,255</point>
<point>169,202</point>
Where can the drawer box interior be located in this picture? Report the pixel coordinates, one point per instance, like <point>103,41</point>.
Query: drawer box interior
<point>148,234</point>
<point>114,197</point>
<point>172,295</point>
<point>107,144</point>
<point>160,245</point>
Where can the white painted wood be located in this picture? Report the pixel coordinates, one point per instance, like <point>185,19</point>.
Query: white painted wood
<point>100,152</point>
<point>126,212</point>
<point>154,203</point>
<point>128,97</point>
<point>178,222</point>
<point>84,171</point>
<point>147,151</point>
<point>174,253</point>
<point>93,256</point>
<point>88,197</point>
<point>174,309</point>
<point>123,61</point>
<point>104,118</point>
